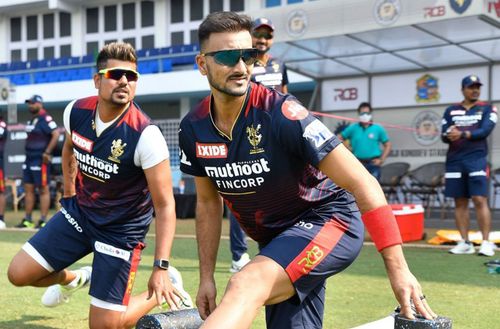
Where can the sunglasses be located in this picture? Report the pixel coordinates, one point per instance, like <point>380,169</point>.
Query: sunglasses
<point>264,35</point>
<point>232,57</point>
<point>116,73</point>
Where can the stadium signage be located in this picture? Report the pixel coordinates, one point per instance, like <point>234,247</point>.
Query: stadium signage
<point>345,94</point>
<point>431,12</point>
<point>460,6</point>
<point>386,12</point>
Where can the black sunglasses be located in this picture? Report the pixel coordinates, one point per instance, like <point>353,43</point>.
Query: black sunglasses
<point>116,73</point>
<point>232,57</point>
<point>264,35</point>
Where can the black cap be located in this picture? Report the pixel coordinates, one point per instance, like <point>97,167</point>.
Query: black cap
<point>34,99</point>
<point>262,21</point>
<point>471,80</point>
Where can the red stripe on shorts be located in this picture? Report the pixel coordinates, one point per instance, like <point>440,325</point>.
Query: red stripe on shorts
<point>2,182</point>
<point>44,175</point>
<point>134,264</point>
<point>322,244</point>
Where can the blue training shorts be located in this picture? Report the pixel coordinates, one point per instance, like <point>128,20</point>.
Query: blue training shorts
<point>36,172</point>
<point>69,236</point>
<point>320,245</point>
<point>466,178</point>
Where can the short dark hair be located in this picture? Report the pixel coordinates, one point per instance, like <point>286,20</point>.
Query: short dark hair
<point>116,50</point>
<point>223,21</point>
<point>365,104</point>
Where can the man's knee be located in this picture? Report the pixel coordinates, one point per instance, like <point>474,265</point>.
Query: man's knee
<point>479,201</point>
<point>16,274</point>
<point>107,319</point>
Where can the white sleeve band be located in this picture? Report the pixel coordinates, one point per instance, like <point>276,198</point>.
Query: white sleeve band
<point>66,115</point>
<point>151,148</point>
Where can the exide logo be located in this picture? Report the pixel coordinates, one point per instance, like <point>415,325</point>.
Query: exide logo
<point>211,151</point>
<point>345,94</point>
<point>82,142</point>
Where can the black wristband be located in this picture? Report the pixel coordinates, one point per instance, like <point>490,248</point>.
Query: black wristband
<point>463,135</point>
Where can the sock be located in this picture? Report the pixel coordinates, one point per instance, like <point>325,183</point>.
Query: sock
<point>1,218</point>
<point>43,218</point>
<point>27,217</point>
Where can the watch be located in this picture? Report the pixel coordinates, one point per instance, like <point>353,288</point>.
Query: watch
<point>161,263</point>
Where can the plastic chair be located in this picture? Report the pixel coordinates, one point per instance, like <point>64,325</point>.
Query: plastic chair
<point>391,179</point>
<point>426,183</point>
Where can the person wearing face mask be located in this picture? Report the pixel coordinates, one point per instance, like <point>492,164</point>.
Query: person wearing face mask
<point>465,127</point>
<point>40,143</point>
<point>267,70</point>
<point>365,139</point>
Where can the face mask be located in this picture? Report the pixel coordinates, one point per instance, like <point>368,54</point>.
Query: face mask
<point>365,117</point>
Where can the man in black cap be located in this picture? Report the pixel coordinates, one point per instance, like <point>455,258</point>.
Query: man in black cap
<point>465,127</point>
<point>267,70</point>
<point>40,143</point>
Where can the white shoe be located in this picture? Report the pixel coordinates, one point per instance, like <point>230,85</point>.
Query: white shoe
<point>56,294</point>
<point>2,225</point>
<point>463,247</point>
<point>176,279</point>
<point>236,266</point>
<point>487,249</point>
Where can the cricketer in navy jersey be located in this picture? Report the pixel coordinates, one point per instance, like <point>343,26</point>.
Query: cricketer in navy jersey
<point>466,127</point>
<point>277,168</point>
<point>115,169</point>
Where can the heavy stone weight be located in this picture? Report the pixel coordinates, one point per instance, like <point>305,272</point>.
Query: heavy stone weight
<point>183,319</point>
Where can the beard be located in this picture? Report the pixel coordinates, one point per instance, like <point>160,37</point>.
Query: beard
<point>240,91</point>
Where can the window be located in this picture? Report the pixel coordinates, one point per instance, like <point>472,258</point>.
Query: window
<point>92,47</point>
<point>128,16</point>
<point>32,54</point>
<point>64,24</point>
<point>147,13</point>
<point>294,1</point>
<point>196,10</point>
<point>107,42</point>
<point>65,51</point>
<point>48,26</point>
<point>48,53</point>
<point>130,40</point>
<point>215,5</point>
<point>177,38</point>
<point>92,20</point>
<point>177,12</point>
<point>109,18</point>
<point>15,55</point>
<point>15,29</point>
<point>273,3</point>
<point>32,28</point>
<point>148,41</point>
<point>237,5</point>
<point>194,36</point>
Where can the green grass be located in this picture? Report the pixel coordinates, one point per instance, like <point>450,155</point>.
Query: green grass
<point>458,287</point>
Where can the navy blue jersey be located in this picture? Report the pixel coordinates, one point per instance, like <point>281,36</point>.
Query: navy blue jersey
<point>272,74</point>
<point>479,120</point>
<point>110,188</point>
<point>3,137</point>
<point>39,131</point>
<point>266,171</point>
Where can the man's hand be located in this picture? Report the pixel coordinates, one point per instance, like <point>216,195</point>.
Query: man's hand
<point>160,285</point>
<point>205,300</point>
<point>46,158</point>
<point>405,286</point>
<point>453,133</point>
